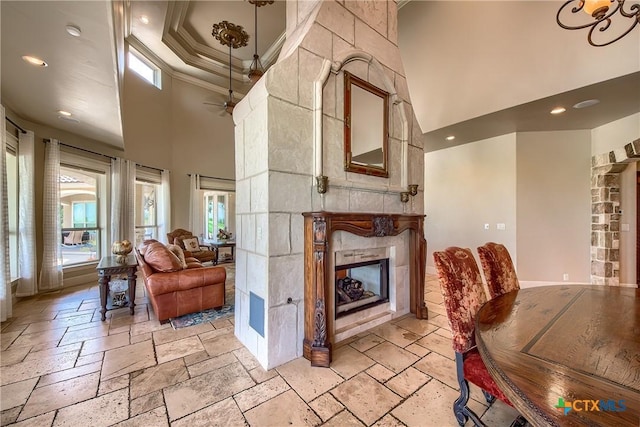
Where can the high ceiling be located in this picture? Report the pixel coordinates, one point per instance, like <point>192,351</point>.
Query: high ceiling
<point>81,76</point>
<point>179,34</point>
<point>83,72</point>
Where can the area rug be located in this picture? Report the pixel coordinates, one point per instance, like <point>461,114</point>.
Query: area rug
<point>211,315</point>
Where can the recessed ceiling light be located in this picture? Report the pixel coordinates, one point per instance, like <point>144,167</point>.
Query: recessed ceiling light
<point>64,113</point>
<point>587,103</point>
<point>68,119</point>
<point>35,61</point>
<point>73,30</point>
<point>558,110</point>
<point>144,19</point>
<point>450,138</point>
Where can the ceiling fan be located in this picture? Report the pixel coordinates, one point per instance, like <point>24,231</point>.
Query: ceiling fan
<point>234,36</point>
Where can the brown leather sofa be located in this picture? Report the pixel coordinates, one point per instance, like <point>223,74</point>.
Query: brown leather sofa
<point>176,288</point>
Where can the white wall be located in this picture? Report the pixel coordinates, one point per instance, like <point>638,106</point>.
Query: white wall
<point>202,141</point>
<point>466,187</point>
<point>615,134</point>
<point>553,205</point>
<point>472,53</point>
<point>172,129</point>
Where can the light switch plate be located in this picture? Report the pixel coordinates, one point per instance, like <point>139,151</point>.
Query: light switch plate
<point>501,226</point>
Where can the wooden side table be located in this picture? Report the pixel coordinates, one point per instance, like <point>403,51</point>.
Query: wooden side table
<point>215,246</point>
<point>109,266</point>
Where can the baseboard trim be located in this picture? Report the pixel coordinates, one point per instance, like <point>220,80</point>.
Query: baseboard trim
<point>81,279</point>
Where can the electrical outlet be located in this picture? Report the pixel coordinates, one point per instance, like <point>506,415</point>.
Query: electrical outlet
<point>486,226</point>
<point>565,277</point>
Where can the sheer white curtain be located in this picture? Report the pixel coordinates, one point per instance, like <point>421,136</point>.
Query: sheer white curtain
<point>123,185</point>
<point>195,205</point>
<point>164,206</point>
<point>51,272</point>
<point>26,217</point>
<point>194,201</point>
<point>5,274</point>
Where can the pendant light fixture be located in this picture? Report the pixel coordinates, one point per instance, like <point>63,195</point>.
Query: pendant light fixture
<point>256,70</point>
<point>234,36</point>
<point>603,14</point>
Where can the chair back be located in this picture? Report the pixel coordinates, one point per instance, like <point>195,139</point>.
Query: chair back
<point>498,269</point>
<point>462,291</point>
<point>178,232</point>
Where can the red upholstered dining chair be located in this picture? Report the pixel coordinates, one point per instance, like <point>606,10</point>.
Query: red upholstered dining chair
<point>498,269</point>
<point>463,294</point>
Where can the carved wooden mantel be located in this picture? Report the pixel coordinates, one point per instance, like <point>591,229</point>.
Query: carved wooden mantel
<point>318,228</point>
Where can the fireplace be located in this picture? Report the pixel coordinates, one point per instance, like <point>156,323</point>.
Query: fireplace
<point>321,328</point>
<point>361,280</point>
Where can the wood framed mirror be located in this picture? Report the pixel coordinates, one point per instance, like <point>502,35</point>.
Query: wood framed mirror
<point>366,127</point>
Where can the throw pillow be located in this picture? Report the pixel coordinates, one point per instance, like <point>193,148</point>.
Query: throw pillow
<point>143,246</point>
<point>161,259</point>
<point>191,244</point>
<point>177,251</point>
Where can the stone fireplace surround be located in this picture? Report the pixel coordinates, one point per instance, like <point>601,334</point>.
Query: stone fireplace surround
<point>319,322</point>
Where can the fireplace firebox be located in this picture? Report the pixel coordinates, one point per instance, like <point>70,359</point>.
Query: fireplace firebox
<point>361,283</point>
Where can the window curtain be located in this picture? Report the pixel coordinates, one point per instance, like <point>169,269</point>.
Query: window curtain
<point>5,274</point>
<point>164,206</point>
<point>26,217</point>
<point>194,202</point>
<point>123,186</point>
<point>51,272</point>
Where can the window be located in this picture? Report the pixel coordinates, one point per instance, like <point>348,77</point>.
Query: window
<point>84,214</point>
<point>215,205</point>
<point>12,195</point>
<point>144,68</point>
<point>146,211</point>
<point>79,207</point>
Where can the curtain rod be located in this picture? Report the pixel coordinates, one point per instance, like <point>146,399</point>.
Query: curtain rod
<point>81,149</point>
<point>212,177</point>
<point>149,167</point>
<point>100,154</point>
<point>17,126</point>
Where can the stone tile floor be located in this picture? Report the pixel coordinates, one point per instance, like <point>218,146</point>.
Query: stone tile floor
<point>62,366</point>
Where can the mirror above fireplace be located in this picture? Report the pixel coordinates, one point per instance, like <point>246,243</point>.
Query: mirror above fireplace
<point>366,118</point>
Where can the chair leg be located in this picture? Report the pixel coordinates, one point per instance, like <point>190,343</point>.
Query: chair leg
<point>460,409</point>
<point>520,421</point>
<point>488,397</point>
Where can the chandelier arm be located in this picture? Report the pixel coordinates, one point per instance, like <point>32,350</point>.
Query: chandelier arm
<point>230,87</point>
<point>589,36</point>
<point>634,10</point>
<point>579,8</point>
<point>255,34</point>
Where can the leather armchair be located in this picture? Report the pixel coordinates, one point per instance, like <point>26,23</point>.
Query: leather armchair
<point>205,254</point>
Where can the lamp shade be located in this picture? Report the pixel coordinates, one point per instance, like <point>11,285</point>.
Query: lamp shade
<point>592,6</point>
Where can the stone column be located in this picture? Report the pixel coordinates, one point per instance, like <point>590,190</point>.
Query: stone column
<point>275,166</point>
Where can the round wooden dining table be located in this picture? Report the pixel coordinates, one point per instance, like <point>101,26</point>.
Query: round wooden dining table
<point>565,355</point>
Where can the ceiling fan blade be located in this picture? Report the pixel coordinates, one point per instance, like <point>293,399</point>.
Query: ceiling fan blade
<point>216,104</point>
